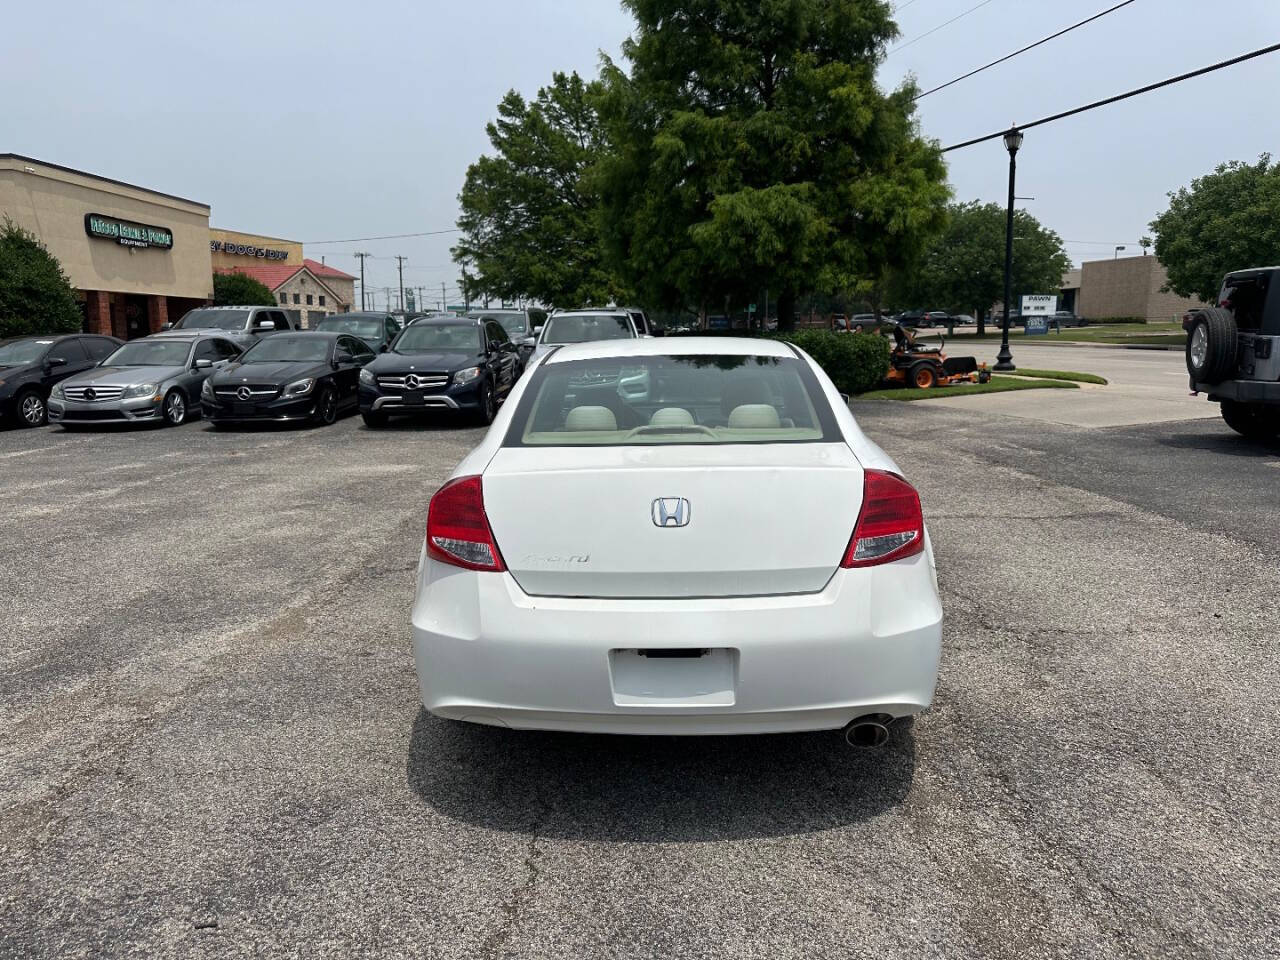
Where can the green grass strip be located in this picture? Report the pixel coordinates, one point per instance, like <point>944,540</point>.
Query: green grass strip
<point>997,385</point>
<point>1062,375</point>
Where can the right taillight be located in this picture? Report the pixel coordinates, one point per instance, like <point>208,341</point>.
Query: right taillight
<point>891,524</point>
<point>457,529</point>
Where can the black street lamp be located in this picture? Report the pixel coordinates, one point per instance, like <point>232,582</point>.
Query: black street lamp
<point>1004,359</point>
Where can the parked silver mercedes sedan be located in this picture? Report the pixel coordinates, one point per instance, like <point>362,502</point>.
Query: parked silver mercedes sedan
<point>155,378</point>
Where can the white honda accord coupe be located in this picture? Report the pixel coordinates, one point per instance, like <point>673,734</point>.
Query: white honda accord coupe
<point>687,536</point>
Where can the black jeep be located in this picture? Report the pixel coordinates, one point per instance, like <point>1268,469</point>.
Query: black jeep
<point>1233,351</point>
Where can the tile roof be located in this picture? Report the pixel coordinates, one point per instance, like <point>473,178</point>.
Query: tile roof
<point>324,270</point>
<point>273,275</point>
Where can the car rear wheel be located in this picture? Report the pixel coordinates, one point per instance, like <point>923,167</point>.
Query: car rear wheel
<point>1211,345</point>
<point>923,376</point>
<point>32,411</point>
<point>175,408</point>
<point>1252,420</point>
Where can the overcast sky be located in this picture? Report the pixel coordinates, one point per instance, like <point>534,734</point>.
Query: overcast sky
<point>330,121</point>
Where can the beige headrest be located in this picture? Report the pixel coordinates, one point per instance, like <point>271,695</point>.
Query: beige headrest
<point>671,417</point>
<point>754,416</point>
<point>590,418</point>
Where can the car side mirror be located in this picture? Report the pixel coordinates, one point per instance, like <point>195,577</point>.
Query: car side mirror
<point>166,326</point>
<point>204,364</point>
<point>263,327</point>
<point>845,398</point>
<point>529,342</point>
<point>384,348</point>
<point>56,362</point>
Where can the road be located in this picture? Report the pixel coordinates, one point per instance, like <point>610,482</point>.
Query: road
<point>212,745</point>
<point>1144,386</point>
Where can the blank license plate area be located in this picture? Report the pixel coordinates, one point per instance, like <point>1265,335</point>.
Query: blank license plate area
<point>670,678</point>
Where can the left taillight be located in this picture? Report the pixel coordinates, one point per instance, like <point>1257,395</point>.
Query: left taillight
<point>891,524</point>
<point>458,530</point>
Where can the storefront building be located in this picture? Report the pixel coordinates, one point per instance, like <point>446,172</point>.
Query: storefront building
<point>137,258</point>
<point>309,288</point>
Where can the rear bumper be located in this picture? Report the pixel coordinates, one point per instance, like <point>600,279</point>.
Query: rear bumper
<point>1242,391</point>
<point>486,652</point>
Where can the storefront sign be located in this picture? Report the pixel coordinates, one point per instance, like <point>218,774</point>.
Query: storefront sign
<point>127,233</point>
<point>246,250</point>
<point>1039,305</point>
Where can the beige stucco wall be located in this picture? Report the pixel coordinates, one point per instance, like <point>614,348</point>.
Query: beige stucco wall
<point>1128,287</point>
<point>261,244</point>
<point>52,202</point>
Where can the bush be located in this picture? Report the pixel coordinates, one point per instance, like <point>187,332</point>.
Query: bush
<point>35,295</point>
<point>855,362</point>
<point>241,290</point>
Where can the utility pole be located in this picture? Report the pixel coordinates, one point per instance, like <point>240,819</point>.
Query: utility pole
<point>443,302</point>
<point>387,292</point>
<point>362,256</point>
<point>400,263</point>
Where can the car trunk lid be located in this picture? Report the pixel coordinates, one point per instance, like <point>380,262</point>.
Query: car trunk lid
<point>673,520</point>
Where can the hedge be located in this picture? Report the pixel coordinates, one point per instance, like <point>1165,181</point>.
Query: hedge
<point>855,362</point>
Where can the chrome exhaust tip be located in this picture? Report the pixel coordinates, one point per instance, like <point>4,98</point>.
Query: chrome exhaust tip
<point>868,732</point>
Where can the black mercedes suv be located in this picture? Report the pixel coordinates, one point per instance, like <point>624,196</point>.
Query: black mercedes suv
<point>460,364</point>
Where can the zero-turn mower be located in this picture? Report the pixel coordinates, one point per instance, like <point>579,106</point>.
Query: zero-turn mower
<point>914,365</point>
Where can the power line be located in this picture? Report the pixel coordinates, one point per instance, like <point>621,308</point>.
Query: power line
<point>393,236</point>
<point>1120,96</point>
<point>1030,46</point>
<point>929,33</point>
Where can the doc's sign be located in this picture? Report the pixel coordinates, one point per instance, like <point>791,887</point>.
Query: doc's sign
<point>247,250</point>
<point>127,233</point>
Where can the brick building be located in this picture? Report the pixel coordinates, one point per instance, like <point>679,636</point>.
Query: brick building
<point>1127,287</point>
<point>136,257</point>
<point>309,287</point>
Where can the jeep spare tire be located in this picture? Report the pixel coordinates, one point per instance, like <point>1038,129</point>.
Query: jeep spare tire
<point>1211,345</point>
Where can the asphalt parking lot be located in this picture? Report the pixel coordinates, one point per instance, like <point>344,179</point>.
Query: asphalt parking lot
<point>212,744</point>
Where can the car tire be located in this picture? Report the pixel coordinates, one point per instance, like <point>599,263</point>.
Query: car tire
<point>374,420</point>
<point>174,409</point>
<point>922,376</point>
<point>1255,421</point>
<point>487,408</point>
<point>1211,345</point>
<point>32,409</point>
<point>326,408</point>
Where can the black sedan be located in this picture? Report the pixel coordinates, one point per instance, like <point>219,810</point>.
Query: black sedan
<point>309,376</point>
<point>30,366</point>
<point>460,364</point>
<point>375,329</point>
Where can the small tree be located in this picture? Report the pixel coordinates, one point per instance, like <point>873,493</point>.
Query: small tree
<point>241,289</point>
<point>1227,220</point>
<point>35,295</point>
<point>964,268</point>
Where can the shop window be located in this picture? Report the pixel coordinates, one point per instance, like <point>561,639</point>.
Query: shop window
<point>308,299</point>
<point>322,299</point>
<point>296,298</point>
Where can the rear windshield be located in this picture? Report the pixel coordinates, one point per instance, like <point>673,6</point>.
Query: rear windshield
<point>513,323</point>
<point>214,320</point>
<point>701,399</point>
<point>585,327</point>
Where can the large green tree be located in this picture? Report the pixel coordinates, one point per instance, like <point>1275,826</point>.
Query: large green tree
<point>1226,220</point>
<point>35,295</point>
<point>962,269</point>
<point>750,148</point>
<point>527,226</point>
<point>240,289</point>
